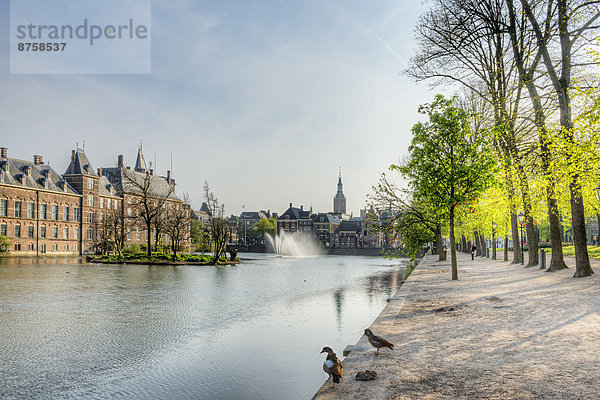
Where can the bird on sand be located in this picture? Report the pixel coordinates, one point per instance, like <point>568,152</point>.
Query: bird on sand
<point>332,365</point>
<point>377,341</point>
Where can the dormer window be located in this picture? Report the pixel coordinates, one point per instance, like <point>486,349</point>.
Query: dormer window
<point>27,170</point>
<point>44,182</point>
<point>5,166</point>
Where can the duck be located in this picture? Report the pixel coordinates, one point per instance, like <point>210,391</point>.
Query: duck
<point>332,365</point>
<point>377,341</point>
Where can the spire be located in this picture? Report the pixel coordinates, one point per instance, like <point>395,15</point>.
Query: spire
<point>140,164</point>
<point>340,192</point>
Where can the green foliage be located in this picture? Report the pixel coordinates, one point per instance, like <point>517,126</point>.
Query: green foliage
<point>4,243</point>
<point>450,162</point>
<point>265,226</point>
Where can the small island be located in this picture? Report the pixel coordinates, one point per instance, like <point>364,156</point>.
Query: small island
<point>161,259</point>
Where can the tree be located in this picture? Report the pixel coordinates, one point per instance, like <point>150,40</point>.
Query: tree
<point>264,226</point>
<point>149,200</point>
<point>4,243</point>
<point>200,235</point>
<point>572,23</point>
<point>177,224</point>
<point>415,220</point>
<point>448,162</point>
<point>218,225</point>
<point>115,225</point>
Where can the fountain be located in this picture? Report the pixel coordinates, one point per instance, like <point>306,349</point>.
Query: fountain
<point>294,244</point>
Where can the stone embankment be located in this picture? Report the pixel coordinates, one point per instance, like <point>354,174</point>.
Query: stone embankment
<point>501,331</point>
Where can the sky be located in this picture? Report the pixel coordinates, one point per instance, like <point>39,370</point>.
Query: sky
<point>264,100</point>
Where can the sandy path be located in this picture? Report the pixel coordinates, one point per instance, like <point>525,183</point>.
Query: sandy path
<point>501,332</point>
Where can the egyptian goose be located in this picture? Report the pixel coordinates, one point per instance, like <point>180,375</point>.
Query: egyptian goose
<point>377,341</point>
<point>332,365</point>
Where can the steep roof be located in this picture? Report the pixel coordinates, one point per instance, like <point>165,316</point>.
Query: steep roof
<point>80,164</point>
<point>295,213</point>
<point>29,175</point>
<point>106,189</point>
<point>252,215</point>
<point>326,218</point>
<point>349,226</point>
<point>140,163</point>
<point>124,181</point>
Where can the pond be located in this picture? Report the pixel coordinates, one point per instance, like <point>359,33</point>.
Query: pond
<point>249,331</point>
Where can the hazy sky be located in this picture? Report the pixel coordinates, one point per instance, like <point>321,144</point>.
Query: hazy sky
<point>262,99</point>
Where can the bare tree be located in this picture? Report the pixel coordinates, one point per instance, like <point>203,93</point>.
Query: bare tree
<point>177,224</point>
<point>149,199</point>
<point>115,225</point>
<point>218,225</point>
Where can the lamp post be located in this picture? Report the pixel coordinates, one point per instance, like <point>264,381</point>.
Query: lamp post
<point>521,219</point>
<point>494,226</point>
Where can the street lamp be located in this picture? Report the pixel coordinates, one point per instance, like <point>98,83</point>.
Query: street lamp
<point>494,227</point>
<point>521,219</point>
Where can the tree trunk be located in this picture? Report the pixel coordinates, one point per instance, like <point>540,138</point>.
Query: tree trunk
<point>464,244</point>
<point>505,247</point>
<point>493,245</point>
<point>439,245</point>
<point>149,241</point>
<point>515,238</point>
<point>557,261</point>
<point>477,244</point>
<point>582,260</point>
<point>453,247</point>
<point>483,244</point>
<point>598,231</point>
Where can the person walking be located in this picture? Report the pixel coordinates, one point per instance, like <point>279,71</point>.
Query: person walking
<point>473,249</point>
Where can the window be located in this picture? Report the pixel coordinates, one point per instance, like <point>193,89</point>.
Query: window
<point>17,230</point>
<point>43,209</point>
<point>30,231</point>
<point>17,246</point>
<point>129,212</point>
<point>30,247</point>
<point>90,234</point>
<point>18,205</point>
<point>115,204</point>
<point>43,231</point>
<point>43,248</point>
<point>90,184</point>
<point>3,208</point>
<point>30,210</point>
<point>128,233</point>
<point>108,203</point>
<point>75,233</point>
<point>65,213</point>
<point>65,247</point>
<point>65,233</point>
<point>101,217</point>
<point>54,247</point>
<point>90,200</point>
<point>55,232</point>
<point>101,202</point>
<point>139,234</point>
<point>75,247</point>
<point>55,212</point>
<point>129,200</point>
<point>3,229</point>
<point>90,217</point>
<point>76,214</point>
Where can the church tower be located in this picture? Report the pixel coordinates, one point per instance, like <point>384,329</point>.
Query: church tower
<point>339,201</point>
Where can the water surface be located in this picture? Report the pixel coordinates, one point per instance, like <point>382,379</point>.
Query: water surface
<point>250,331</point>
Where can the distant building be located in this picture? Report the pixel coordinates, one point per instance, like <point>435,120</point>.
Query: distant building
<point>324,227</point>
<point>350,234</point>
<point>295,220</point>
<point>246,222</point>
<point>339,201</point>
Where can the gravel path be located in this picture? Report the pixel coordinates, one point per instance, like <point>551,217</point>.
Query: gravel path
<point>501,332</point>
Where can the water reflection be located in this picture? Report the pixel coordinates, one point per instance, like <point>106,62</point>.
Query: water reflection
<point>72,330</point>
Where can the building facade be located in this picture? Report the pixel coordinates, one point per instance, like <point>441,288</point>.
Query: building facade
<point>43,212</point>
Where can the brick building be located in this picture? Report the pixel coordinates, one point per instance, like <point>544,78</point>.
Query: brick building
<point>42,212</point>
